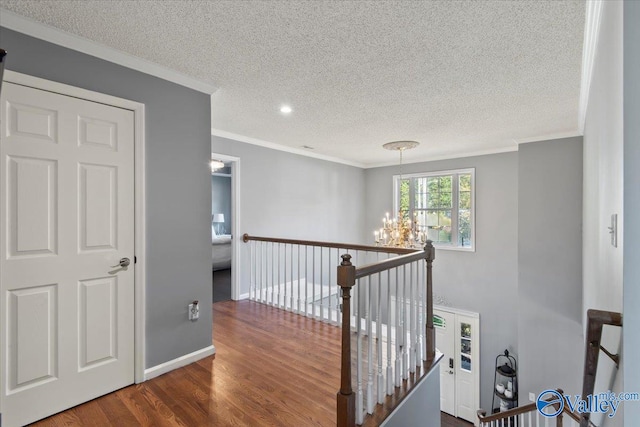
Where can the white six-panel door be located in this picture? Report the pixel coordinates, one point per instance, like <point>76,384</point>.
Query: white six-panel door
<point>66,221</point>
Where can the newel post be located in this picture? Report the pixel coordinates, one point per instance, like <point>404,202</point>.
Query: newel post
<point>430,332</point>
<point>346,400</point>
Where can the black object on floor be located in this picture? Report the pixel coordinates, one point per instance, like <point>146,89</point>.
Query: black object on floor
<point>222,285</point>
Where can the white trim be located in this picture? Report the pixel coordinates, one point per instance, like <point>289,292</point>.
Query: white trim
<point>178,362</point>
<point>54,35</point>
<point>280,147</point>
<point>549,137</point>
<point>236,262</point>
<point>445,157</point>
<point>245,296</point>
<point>139,191</point>
<point>591,32</point>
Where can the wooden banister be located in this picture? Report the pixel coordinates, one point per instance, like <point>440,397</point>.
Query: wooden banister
<point>430,252</point>
<point>388,264</point>
<point>384,249</point>
<point>346,400</point>
<point>596,319</point>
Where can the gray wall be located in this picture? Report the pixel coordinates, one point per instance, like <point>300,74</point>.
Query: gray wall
<point>291,196</point>
<point>420,408</point>
<point>549,302</point>
<point>484,281</point>
<point>603,185</point>
<point>631,206</point>
<point>221,200</point>
<point>178,195</point>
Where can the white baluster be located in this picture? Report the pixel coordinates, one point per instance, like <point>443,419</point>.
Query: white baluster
<point>412,321</point>
<point>370,399</point>
<point>359,395</point>
<point>321,283</point>
<point>290,294</point>
<point>389,366</point>
<point>313,282</point>
<point>298,274</point>
<point>379,359</point>
<point>272,276</point>
<point>398,332</point>
<point>405,325</point>
<point>259,268</point>
<point>252,283</point>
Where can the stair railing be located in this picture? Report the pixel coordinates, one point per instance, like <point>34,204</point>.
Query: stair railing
<point>596,319</point>
<point>528,416</point>
<point>300,275</point>
<point>393,325</point>
<point>380,296</point>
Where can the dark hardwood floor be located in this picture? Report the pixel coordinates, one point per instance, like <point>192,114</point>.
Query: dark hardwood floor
<point>221,282</point>
<point>271,369</point>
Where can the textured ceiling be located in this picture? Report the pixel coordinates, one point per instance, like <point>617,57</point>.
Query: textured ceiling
<point>458,76</point>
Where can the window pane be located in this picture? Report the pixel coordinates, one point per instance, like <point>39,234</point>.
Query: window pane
<point>434,201</point>
<point>464,228</point>
<point>445,184</point>
<point>432,184</point>
<point>465,363</point>
<point>432,218</point>
<point>465,330</point>
<point>465,182</point>
<point>445,200</point>
<point>465,200</point>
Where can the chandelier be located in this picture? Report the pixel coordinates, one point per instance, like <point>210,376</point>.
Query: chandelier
<point>400,232</point>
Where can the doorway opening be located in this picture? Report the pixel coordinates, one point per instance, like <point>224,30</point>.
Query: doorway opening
<point>224,226</point>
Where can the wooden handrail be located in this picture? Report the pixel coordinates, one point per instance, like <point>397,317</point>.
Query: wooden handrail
<point>384,249</point>
<point>388,264</point>
<point>596,319</point>
<point>530,407</point>
<point>484,418</point>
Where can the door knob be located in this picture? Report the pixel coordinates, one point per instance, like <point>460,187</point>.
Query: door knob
<point>451,372</point>
<point>124,262</point>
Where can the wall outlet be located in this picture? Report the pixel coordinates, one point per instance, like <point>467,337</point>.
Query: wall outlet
<point>194,311</point>
<point>532,397</point>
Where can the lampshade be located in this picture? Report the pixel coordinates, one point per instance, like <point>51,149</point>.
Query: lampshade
<point>216,164</point>
<point>218,218</point>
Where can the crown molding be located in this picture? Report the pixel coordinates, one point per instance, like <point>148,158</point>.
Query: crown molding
<point>548,137</point>
<point>21,24</point>
<point>450,156</point>
<point>280,147</point>
<point>591,32</point>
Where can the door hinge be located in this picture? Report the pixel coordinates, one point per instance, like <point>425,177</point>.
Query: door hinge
<point>135,259</point>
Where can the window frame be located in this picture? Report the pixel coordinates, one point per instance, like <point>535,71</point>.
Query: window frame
<point>454,200</point>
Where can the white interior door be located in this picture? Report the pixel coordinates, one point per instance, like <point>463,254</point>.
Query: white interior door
<point>66,220</point>
<point>444,324</point>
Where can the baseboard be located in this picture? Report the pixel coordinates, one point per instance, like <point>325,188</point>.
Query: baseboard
<point>244,296</point>
<point>179,362</point>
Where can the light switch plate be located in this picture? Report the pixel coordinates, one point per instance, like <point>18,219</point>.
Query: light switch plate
<point>613,230</point>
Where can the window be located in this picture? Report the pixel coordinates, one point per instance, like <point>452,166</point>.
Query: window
<point>442,203</point>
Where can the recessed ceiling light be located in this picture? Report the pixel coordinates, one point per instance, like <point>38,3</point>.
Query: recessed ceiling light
<point>285,109</point>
